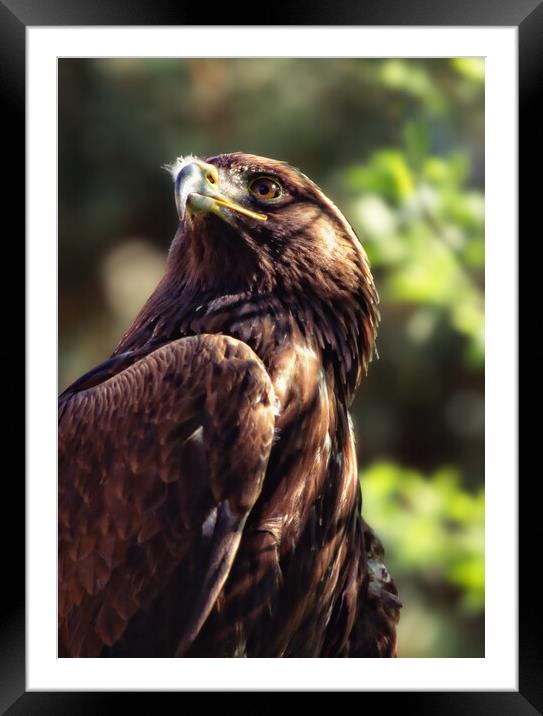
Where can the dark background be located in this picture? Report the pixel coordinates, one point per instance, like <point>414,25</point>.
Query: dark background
<point>398,145</point>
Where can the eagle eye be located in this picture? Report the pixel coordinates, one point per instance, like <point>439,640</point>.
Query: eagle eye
<point>265,188</point>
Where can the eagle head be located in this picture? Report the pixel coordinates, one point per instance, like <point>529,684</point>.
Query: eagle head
<point>254,226</point>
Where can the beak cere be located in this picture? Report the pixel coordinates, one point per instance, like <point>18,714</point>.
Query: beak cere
<point>197,192</point>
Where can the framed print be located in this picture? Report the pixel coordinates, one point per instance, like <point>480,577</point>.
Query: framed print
<point>407,118</point>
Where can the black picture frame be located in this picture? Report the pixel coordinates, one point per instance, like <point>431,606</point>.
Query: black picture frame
<point>15,17</point>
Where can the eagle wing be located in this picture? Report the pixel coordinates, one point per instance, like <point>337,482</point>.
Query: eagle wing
<point>159,467</point>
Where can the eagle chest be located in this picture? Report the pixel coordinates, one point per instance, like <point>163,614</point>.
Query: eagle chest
<point>300,535</point>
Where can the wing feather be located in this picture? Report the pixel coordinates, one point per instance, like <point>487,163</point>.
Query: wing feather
<point>159,466</point>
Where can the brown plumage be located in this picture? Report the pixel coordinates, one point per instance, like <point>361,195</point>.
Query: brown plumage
<point>209,502</point>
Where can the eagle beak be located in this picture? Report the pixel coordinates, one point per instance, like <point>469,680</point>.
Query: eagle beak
<point>197,192</point>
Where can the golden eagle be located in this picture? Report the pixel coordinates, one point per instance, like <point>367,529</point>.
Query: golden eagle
<point>209,502</point>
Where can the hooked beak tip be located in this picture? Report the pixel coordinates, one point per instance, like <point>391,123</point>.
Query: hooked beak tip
<point>197,192</point>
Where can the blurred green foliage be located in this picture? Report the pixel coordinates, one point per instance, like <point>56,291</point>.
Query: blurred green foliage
<point>434,535</point>
<point>398,145</point>
<point>423,223</point>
